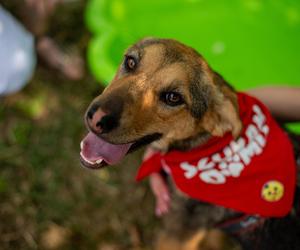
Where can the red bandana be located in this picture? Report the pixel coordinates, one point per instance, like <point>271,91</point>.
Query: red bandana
<point>254,174</point>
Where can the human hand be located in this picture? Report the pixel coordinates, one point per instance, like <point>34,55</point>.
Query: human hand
<point>161,192</point>
<point>159,188</point>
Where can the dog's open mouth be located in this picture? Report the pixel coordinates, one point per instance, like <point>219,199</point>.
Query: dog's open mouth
<point>96,153</point>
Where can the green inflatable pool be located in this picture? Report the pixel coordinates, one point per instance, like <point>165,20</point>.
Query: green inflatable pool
<point>249,42</point>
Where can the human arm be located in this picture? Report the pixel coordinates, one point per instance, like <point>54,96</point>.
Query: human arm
<point>283,101</point>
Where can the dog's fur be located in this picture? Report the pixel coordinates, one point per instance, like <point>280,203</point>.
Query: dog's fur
<point>135,98</point>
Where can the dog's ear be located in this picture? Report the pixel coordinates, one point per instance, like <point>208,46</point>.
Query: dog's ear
<point>214,102</point>
<point>222,117</point>
<point>200,96</point>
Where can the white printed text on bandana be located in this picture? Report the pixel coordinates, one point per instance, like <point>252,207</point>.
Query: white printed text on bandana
<point>235,157</point>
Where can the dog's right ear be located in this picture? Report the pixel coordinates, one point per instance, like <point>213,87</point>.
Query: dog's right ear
<point>222,117</point>
<point>214,103</point>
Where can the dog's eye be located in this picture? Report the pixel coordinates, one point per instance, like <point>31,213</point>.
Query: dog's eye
<point>130,63</point>
<point>172,98</point>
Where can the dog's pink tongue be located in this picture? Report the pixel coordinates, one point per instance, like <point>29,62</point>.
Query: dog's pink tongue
<point>94,148</point>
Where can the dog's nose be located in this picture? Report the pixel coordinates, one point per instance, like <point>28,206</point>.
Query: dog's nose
<point>100,121</point>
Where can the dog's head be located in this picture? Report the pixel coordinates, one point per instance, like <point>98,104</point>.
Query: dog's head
<point>163,91</point>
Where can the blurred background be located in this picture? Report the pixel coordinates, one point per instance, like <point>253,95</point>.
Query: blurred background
<point>56,55</point>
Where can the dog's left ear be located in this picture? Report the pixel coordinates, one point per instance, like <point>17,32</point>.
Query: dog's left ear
<point>214,102</point>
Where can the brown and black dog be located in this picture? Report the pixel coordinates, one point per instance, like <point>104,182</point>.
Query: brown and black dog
<point>165,93</point>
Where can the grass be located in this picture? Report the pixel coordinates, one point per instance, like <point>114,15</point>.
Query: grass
<point>48,201</point>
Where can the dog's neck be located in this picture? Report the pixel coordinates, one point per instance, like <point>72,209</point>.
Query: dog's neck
<point>182,145</point>
<point>190,143</point>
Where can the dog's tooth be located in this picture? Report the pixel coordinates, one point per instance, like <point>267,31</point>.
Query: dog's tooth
<point>87,160</point>
<point>81,145</point>
<point>99,161</point>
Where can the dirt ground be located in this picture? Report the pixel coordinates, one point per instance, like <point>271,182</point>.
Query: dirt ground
<point>48,201</point>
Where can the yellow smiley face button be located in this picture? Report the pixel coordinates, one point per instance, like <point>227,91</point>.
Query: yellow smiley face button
<point>272,191</point>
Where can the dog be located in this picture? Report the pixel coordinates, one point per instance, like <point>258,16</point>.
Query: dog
<point>165,94</point>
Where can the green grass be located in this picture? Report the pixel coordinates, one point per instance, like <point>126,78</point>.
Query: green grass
<point>47,198</point>
<point>42,183</point>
